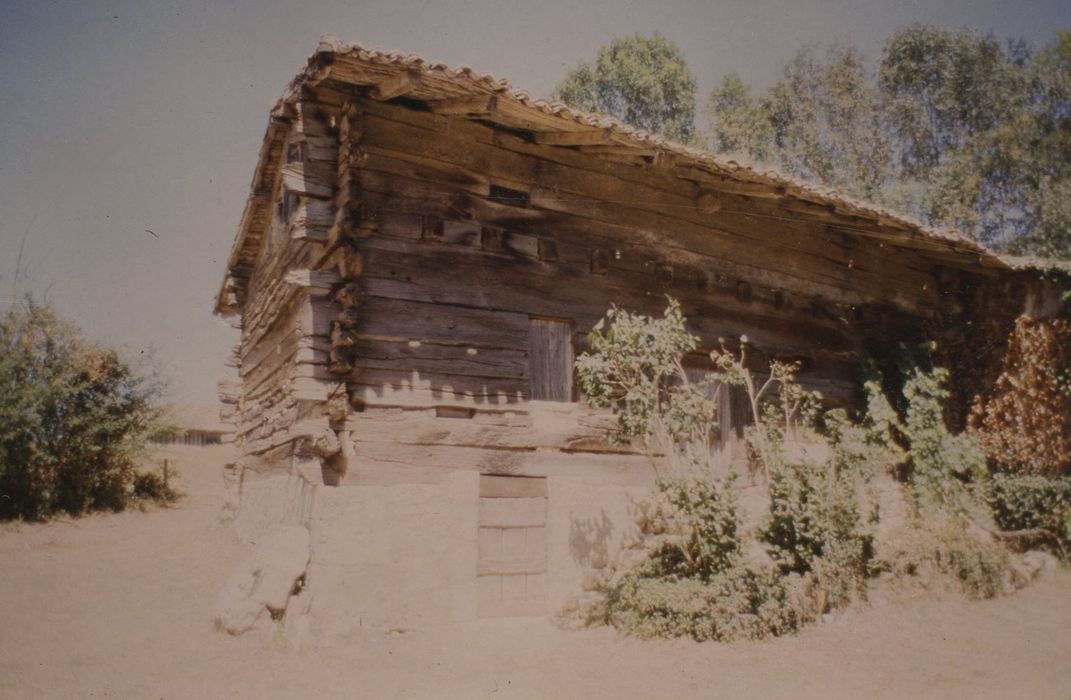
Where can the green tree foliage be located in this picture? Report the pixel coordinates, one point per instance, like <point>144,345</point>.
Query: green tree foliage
<point>827,122</point>
<point>739,123</point>
<point>643,81</point>
<point>704,573</point>
<point>945,87</point>
<point>635,367</point>
<point>955,127</point>
<point>72,418</point>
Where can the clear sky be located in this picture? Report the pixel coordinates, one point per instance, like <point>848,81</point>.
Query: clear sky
<point>123,117</point>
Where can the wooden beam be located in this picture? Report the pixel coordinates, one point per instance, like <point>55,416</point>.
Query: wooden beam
<point>629,151</point>
<point>479,105</point>
<point>585,137</point>
<point>397,85</point>
<point>747,189</point>
<point>708,202</point>
<point>316,281</point>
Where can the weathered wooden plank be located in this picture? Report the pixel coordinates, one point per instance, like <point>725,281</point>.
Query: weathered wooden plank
<point>444,275</point>
<point>584,432</point>
<point>400,388</point>
<point>311,178</point>
<point>584,175</point>
<point>401,320</point>
<point>550,354</point>
<point>397,85</point>
<point>424,356</point>
<point>620,225</point>
<point>382,463</point>
<point>587,137</point>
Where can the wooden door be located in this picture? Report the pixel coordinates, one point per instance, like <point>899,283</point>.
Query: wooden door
<point>550,359</point>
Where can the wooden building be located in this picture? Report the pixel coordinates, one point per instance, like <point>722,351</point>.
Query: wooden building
<point>422,254</point>
<point>195,424</point>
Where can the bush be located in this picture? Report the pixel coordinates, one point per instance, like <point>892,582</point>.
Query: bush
<point>698,522</point>
<point>942,547</point>
<point>1030,502</point>
<point>73,417</point>
<point>813,517</point>
<point>702,580</point>
<point>155,486</point>
<point>745,602</point>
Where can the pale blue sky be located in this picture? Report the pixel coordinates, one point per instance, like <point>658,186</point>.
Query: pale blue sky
<point>117,117</point>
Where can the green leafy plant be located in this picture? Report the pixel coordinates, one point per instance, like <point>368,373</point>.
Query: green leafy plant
<point>635,367</point>
<point>697,580</point>
<point>643,81</point>
<point>1033,504</point>
<point>73,418</point>
<point>699,526</point>
<point>941,464</point>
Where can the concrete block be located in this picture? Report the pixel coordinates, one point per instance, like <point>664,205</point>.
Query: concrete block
<point>536,587</point>
<point>514,587</point>
<point>513,512</point>
<point>513,543</point>
<point>489,542</point>
<point>536,542</point>
<point>512,487</point>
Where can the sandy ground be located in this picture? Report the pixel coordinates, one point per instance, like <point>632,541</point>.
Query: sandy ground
<point>120,606</point>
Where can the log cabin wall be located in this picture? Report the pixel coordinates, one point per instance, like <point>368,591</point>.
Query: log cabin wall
<point>467,237</point>
<point>287,316</point>
<point>410,256</point>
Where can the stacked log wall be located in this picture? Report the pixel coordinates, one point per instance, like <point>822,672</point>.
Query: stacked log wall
<point>418,251</point>
<point>286,318</point>
<point>467,232</point>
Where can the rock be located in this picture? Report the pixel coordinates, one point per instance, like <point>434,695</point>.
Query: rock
<point>1026,568</point>
<point>1037,563</point>
<point>261,586</point>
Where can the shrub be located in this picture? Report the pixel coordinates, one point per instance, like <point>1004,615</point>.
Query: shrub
<point>73,416</point>
<point>699,524</point>
<point>813,517</point>
<point>943,546</point>
<point>1030,502</point>
<point>155,486</point>
<point>940,464</point>
<point>818,533</point>
<point>746,602</point>
<point>636,368</point>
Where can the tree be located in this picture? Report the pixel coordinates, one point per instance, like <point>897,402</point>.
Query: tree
<point>643,81</point>
<point>957,128</point>
<point>739,124</point>
<point>73,417</point>
<point>944,87</point>
<point>828,124</point>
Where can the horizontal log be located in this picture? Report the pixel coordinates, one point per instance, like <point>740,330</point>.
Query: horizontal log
<point>311,178</point>
<point>581,432</point>
<point>379,461</point>
<point>424,356</point>
<point>400,320</point>
<point>395,86</point>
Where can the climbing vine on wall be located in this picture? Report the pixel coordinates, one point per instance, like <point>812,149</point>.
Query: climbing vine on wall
<point>1024,421</point>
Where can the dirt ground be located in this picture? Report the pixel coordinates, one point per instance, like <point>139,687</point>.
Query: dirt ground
<point>121,606</point>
